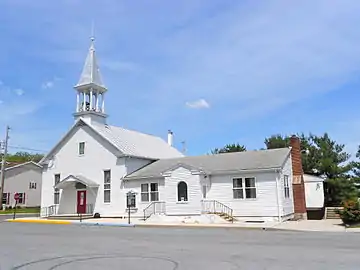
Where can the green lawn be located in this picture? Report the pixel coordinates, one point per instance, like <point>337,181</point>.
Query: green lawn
<point>30,210</point>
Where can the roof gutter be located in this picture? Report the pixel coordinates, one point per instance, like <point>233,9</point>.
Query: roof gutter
<point>275,169</point>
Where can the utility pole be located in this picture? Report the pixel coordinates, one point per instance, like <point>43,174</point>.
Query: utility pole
<point>3,163</point>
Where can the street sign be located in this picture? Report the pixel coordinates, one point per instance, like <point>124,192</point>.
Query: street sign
<point>16,196</point>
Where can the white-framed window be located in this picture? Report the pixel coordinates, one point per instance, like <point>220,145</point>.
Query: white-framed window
<point>150,192</point>
<point>286,186</point>
<point>81,148</point>
<point>238,192</point>
<point>107,186</point>
<point>56,190</point>
<point>32,185</point>
<point>244,188</point>
<point>21,198</point>
<point>182,192</point>
<point>5,198</point>
<point>250,188</point>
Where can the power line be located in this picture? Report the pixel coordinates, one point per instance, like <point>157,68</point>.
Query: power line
<point>26,148</point>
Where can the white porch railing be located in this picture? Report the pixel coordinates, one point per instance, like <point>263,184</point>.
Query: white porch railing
<point>53,210</point>
<point>154,208</point>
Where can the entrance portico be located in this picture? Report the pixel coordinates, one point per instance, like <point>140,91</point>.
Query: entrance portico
<point>78,195</point>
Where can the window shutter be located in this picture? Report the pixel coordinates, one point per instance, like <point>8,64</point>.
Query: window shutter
<point>24,198</point>
<point>8,198</point>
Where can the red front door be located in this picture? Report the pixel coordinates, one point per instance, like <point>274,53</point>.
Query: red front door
<point>81,202</point>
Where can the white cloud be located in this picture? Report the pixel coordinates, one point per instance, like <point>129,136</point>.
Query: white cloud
<point>19,92</point>
<point>198,104</point>
<point>47,85</point>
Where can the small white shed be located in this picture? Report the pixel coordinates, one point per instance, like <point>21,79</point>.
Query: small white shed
<point>314,192</point>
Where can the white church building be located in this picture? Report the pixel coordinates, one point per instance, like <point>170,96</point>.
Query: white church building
<point>93,167</point>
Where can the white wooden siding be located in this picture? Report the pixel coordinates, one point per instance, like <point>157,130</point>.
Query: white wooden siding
<point>17,180</point>
<point>263,207</point>
<point>97,158</point>
<point>193,205</point>
<point>286,204</point>
<point>135,186</point>
<point>314,192</point>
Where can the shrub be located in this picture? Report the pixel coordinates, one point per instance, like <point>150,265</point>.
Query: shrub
<point>350,215</point>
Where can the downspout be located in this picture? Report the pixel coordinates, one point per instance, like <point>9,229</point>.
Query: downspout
<point>278,198</point>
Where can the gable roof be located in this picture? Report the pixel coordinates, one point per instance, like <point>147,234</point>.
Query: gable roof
<point>127,142</point>
<point>18,165</point>
<point>134,143</point>
<point>220,163</point>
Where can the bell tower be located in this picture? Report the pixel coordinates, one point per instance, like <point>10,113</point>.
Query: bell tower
<point>90,91</point>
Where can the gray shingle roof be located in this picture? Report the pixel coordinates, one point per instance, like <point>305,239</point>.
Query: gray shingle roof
<point>134,143</point>
<point>240,161</point>
<point>91,72</point>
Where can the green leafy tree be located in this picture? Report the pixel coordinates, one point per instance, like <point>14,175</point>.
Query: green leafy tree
<point>229,148</point>
<point>322,156</point>
<point>24,157</point>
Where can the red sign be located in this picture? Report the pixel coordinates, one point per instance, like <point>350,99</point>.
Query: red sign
<point>16,196</point>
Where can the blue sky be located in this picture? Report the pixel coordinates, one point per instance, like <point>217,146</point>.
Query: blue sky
<point>214,72</point>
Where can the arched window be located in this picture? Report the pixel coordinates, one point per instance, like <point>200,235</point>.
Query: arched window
<point>182,192</point>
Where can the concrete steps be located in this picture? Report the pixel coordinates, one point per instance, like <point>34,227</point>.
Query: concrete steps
<point>331,212</point>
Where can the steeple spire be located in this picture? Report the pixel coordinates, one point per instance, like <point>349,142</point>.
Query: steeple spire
<point>90,100</point>
<point>91,72</point>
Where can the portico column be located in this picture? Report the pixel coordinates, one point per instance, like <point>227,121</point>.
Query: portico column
<point>91,99</point>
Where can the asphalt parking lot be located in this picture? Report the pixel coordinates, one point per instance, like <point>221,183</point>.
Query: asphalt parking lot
<point>43,246</point>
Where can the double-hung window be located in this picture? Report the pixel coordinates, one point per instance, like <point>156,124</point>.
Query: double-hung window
<point>107,186</point>
<point>81,148</point>
<point>5,198</point>
<point>244,188</point>
<point>286,186</point>
<point>56,190</point>
<point>150,192</point>
<point>32,185</point>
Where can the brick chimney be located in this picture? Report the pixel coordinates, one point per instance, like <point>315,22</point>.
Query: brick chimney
<point>298,179</point>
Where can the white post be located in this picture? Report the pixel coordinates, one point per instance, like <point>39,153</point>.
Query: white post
<point>103,103</point>
<point>77,101</point>
<point>97,101</point>
<point>91,99</point>
<point>170,138</point>
<point>84,101</point>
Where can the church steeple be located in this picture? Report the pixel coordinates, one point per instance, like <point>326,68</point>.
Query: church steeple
<point>90,101</point>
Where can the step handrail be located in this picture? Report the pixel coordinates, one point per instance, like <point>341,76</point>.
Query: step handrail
<point>153,208</point>
<point>217,207</point>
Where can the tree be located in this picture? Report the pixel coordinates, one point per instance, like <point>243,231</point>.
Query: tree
<point>322,156</point>
<point>229,148</point>
<point>24,157</point>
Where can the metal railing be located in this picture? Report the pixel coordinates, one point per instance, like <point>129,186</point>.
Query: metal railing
<point>154,208</point>
<point>216,207</point>
<point>52,210</point>
<point>49,210</point>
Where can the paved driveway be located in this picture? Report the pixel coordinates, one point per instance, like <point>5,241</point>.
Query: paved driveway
<point>40,246</point>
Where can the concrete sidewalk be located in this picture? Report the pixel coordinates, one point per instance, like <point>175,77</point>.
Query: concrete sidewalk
<point>304,225</point>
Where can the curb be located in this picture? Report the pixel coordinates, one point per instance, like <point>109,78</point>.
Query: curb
<point>62,222</point>
<point>66,222</point>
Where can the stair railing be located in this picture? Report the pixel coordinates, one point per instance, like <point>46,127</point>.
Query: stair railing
<point>154,208</point>
<point>216,207</point>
